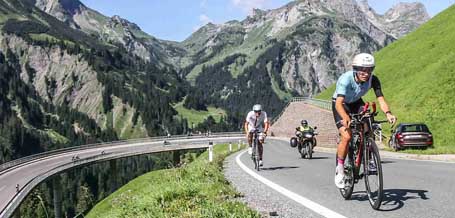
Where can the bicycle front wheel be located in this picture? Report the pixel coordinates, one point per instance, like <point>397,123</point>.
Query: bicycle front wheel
<point>373,174</point>
<point>256,155</point>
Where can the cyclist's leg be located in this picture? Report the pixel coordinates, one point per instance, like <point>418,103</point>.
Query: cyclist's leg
<point>342,147</point>
<point>261,150</point>
<point>345,133</point>
<point>250,139</point>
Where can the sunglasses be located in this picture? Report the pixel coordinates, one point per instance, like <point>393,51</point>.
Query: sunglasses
<point>368,70</point>
<point>257,112</point>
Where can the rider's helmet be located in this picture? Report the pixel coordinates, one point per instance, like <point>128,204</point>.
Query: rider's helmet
<point>257,108</point>
<point>304,122</point>
<point>363,60</point>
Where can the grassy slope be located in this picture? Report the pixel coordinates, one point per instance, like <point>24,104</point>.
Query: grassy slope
<point>196,117</point>
<point>417,74</point>
<point>194,190</point>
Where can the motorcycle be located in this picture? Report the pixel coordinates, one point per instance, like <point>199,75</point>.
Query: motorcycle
<point>304,141</point>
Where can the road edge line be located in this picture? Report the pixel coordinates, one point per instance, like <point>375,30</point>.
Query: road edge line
<point>319,209</point>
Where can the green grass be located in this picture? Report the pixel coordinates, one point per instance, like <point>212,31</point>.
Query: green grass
<point>195,116</point>
<point>417,74</point>
<point>198,189</point>
<point>44,37</point>
<point>56,137</point>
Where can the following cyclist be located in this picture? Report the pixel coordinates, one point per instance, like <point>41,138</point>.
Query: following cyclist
<point>256,120</point>
<point>350,88</point>
<point>304,127</point>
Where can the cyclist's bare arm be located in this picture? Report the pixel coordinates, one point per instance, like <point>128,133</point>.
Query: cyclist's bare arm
<point>385,108</point>
<point>341,111</point>
<point>266,128</point>
<point>245,127</point>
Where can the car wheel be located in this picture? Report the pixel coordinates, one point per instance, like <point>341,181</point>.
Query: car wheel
<point>395,146</point>
<point>390,143</point>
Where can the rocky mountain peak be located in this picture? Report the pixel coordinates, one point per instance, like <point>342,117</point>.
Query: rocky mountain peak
<point>63,10</point>
<point>415,11</point>
<point>399,20</point>
<point>117,20</point>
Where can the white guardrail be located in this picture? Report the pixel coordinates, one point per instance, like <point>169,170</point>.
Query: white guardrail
<point>160,147</point>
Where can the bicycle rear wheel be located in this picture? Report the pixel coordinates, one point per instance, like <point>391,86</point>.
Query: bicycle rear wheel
<point>373,174</point>
<point>256,155</point>
<point>346,192</point>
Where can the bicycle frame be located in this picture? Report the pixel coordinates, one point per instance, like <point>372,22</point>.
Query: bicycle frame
<point>362,127</point>
<point>363,150</point>
<point>255,155</point>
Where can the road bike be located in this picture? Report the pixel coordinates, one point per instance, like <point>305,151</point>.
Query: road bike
<point>363,160</point>
<point>255,154</point>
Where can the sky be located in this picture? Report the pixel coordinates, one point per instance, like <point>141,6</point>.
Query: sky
<point>177,19</point>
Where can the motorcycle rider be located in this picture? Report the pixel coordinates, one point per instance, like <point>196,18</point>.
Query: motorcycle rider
<point>304,127</point>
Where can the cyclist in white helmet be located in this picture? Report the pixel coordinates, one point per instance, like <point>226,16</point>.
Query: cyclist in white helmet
<point>350,88</point>
<point>256,120</point>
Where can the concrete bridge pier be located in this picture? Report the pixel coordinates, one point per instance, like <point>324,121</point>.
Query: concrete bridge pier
<point>176,158</point>
<point>114,174</point>
<point>57,192</point>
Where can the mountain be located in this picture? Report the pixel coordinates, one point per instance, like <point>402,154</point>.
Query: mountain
<point>417,76</point>
<point>401,19</point>
<point>298,49</point>
<point>126,83</point>
<point>113,30</point>
<point>62,86</point>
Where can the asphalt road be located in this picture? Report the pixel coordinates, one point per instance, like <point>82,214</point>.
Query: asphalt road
<point>412,188</point>
<point>36,171</point>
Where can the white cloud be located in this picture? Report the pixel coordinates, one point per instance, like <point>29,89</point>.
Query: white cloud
<point>203,4</point>
<point>204,19</point>
<point>249,5</point>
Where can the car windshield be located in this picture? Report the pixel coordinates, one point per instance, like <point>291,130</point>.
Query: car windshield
<point>415,128</point>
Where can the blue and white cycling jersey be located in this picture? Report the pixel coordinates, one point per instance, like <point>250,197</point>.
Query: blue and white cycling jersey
<point>352,91</point>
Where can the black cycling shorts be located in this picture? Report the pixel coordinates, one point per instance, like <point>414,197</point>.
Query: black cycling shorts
<point>354,107</point>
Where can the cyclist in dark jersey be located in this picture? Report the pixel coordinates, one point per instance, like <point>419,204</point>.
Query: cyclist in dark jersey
<point>350,88</point>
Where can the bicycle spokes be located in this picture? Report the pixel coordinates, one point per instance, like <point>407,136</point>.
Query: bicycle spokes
<point>373,175</point>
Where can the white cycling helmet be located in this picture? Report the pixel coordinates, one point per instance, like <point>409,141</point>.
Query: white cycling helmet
<point>363,60</point>
<point>257,107</point>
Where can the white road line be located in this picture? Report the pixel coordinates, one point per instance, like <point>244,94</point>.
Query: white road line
<point>323,211</point>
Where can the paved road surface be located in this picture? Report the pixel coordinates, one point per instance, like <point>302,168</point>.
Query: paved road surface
<point>412,188</point>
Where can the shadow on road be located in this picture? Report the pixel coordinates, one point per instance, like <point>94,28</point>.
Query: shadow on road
<point>387,161</point>
<point>279,168</point>
<point>394,199</point>
<point>319,158</point>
